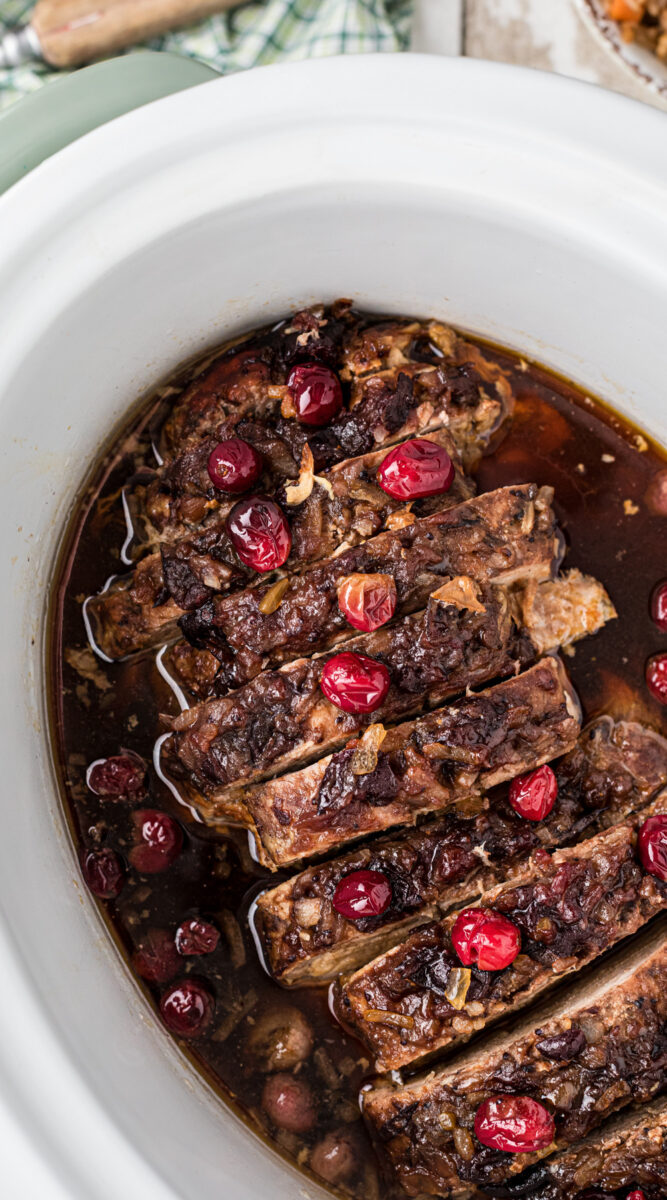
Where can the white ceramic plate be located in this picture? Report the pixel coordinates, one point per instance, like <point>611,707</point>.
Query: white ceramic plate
<point>529,208</point>
<point>639,62</point>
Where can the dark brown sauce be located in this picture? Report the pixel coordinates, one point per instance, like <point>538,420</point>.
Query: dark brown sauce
<point>601,469</point>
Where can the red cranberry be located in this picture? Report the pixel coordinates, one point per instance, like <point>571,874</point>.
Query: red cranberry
<point>187,1008</point>
<point>515,1124</point>
<point>121,776</point>
<point>234,465</point>
<point>196,937</point>
<point>486,938</point>
<point>653,846</point>
<point>416,469</point>
<point>354,682</point>
<point>316,393</point>
<point>636,1195</point>
<point>656,677</point>
<point>156,958</point>
<point>260,533</point>
<point>158,841</point>
<point>533,796</point>
<point>103,872</point>
<point>367,601</point>
<point>336,1158</point>
<point>362,894</point>
<point>288,1103</point>
<point>659,605</point>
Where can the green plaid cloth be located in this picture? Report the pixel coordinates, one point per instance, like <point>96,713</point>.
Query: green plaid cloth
<point>251,35</point>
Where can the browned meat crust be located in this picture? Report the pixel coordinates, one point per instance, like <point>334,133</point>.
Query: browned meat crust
<point>614,770</point>
<point>597,1048</point>
<point>345,505</point>
<point>468,635</point>
<point>629,1152</point>
<point>425,378</point>
<point>504,536</point>
<point>569,907</point>
<point>422,766</point>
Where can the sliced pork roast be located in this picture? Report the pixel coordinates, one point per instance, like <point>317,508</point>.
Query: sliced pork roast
<point>595,1048</point>
<point>613,771</point>
<point>561,914</point>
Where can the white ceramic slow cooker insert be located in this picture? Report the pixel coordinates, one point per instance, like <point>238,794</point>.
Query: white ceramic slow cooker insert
<point>526,208</point>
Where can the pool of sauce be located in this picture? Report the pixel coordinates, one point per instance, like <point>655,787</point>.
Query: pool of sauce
<point>604,473</point>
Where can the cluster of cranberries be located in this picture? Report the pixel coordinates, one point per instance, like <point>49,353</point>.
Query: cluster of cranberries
<point>652,843</point>
<point>187,1005</point>
<point>656,667</point>
<point>258,528</point>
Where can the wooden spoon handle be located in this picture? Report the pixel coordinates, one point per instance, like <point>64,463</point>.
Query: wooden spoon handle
<point>72,32</point>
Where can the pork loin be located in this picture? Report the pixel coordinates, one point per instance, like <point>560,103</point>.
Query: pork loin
<point>344,505</point>
<point>468,635</point>
<point>596,1047</point>
<point>569,907</point>
<point>614,769</point>
<point>628,1153</point>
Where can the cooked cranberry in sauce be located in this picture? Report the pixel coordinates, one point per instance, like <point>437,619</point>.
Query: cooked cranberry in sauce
<point>416,469</point>
<point>533,796</point>
<point>187,1008</point>
<point>653,846</point>
<point>362,894</point>
<point>288,1103</point>
<point>515,1124</point>
<point>156,958</point>
<point>316,393</point>
<point>234,465</point>
<point>367,601</point>
<point>279,1056</point>
<point>355,682</point>
<point>486,938</point>
<point>260,533</point>
<point>659,606</point>
<point>656,677</point>
<point>120,777</point>
<point>158,841</point>
<point>196,937</point>
<point>103,872</point>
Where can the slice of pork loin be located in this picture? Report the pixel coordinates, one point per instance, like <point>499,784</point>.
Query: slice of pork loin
<point>421,766</point>
<point>569,907</point>
<point>595,1048</point>
<point>343,505</point>
<point>487,539</point>
<point>629,1152</point>
<point>614,769</point>
<point>468,635</point>
<point>450,384</point>
<point>458,386</point>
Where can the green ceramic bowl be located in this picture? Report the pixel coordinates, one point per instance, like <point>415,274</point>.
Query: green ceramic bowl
<point>64,109</point>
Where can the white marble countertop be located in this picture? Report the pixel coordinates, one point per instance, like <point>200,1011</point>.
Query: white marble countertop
<point>546,34</point>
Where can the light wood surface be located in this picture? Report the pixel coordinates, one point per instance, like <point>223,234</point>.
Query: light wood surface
<point>546,34</point>
<point>72,32</point>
